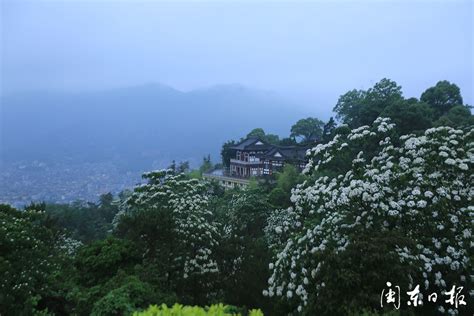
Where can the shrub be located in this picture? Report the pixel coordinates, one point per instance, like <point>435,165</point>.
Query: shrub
<point>180,310</point>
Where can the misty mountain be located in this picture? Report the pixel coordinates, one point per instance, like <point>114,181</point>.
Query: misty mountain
<point>139,126</point>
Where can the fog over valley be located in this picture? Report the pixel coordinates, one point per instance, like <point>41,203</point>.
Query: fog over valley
<point>94,93</point>
<point>236,158</point>
<point>63,146</point>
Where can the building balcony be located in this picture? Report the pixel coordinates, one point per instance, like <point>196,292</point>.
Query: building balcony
<point>227,181</point>
<point>245,163</point>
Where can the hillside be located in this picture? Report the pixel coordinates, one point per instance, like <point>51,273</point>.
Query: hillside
<point>137,126</point>
<point>60,147</point>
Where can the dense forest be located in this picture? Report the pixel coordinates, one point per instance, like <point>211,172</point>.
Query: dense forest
<point>386,196</point>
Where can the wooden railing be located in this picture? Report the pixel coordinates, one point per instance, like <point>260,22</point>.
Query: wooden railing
<point>243,162</point>
<point>233,179</point>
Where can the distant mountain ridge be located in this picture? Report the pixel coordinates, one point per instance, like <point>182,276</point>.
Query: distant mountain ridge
<point>139,126</point>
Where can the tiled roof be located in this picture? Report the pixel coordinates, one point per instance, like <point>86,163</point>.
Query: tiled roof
<point>249,144</point>
<point>286,152</point>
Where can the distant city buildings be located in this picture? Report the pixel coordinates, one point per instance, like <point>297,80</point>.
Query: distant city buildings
<point>25,182</point>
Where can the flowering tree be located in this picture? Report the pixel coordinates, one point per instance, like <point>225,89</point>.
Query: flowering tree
<point>170,217</point>
<point>406,200</point>
<point>33,256</point>
<point>243,252</point>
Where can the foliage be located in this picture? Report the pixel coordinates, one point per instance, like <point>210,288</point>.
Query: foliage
<point>442,97</point>
<point>206,165</point>
<point>260,133</point>
<point>366,312</point>
<point>227,153</point>
<point>180,310</point>
<point>170,220</point>
<point>409,116</point>
<point>361,107</point>
<point>272,139</point>
<point>288,141</point>
<point>195,174</point>
<point>371,206</point>
<point>256,132</point>
<point>243,254</point>
<point>102,259</point>
<point>182,167</point>
<point>397,204</point>
<point>309,129</point>
<point>32,250</point>
<point>441,105</point>
<point>286,180</point>
<point>125,299</point>
<point>85,221</point>
<point>328,130</point>
<point>458,115</point>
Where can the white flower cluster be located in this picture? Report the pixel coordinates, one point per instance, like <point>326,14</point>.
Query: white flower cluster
<point>188,201</point>
<point>422,189</point>
<point>24,239</point>
<point>279,225</point>
<point>69,245</point>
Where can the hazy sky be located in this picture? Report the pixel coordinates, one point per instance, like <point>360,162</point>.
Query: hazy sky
<point>316,50</point>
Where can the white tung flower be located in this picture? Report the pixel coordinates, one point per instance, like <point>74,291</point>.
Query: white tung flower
<point>454,219</point>
<point>466,233</point>
<point>421,204</point>
<point>405,191</point>
<point>450,161</point>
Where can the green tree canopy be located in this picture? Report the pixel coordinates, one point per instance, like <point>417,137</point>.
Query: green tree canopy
<point>102,259</point>
<point>32,253</point>
<point>243,252</point>
<point>308,129</point>
<point>409,115</point>
<point>257,132</point>
<point>358,107</point>
<point>272,139</point>
<point>442,97</point>
<point>287,141</point>
<point>206,165</point>
<point>286,180</point>
<point>227,153</point>
<point>328,129</point>
<point>260,133</point>
<point>458,115</point>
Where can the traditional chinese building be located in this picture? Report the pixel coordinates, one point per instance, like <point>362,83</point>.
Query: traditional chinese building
<point>254,157</point>
<point>257,158</point>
